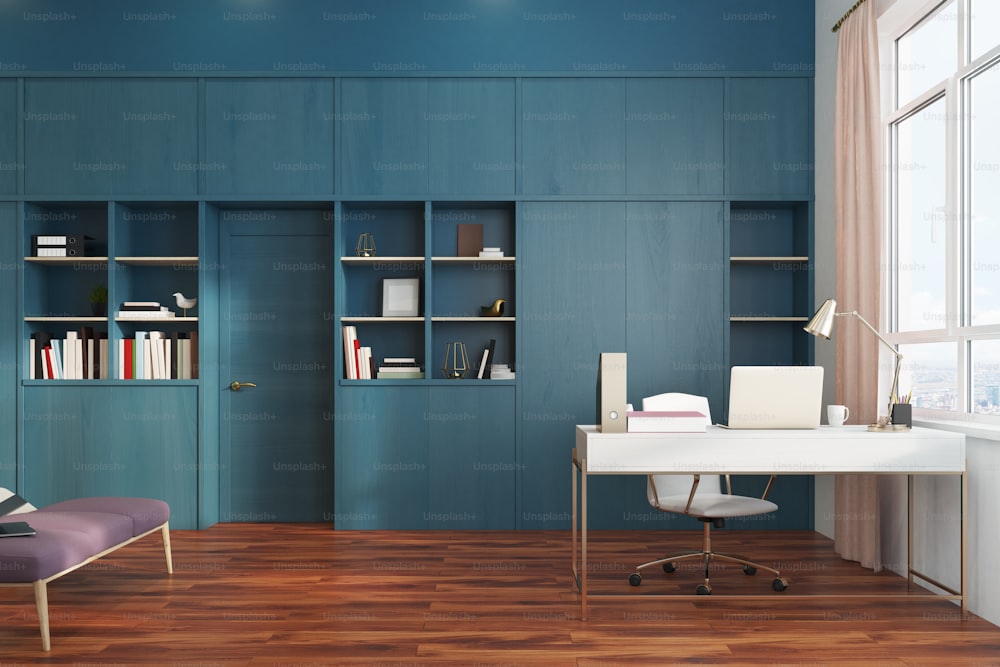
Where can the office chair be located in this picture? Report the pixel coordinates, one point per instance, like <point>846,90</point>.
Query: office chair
<point>701,497</point>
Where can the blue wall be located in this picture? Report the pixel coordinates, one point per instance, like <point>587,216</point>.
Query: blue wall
<point>406,36</point>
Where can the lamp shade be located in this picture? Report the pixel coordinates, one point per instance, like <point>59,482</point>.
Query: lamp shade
<point>821,323</point>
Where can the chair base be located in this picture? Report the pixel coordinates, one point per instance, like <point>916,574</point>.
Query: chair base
<point>706,556</point>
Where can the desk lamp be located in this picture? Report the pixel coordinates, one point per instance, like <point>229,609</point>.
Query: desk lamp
<point>821,324</point>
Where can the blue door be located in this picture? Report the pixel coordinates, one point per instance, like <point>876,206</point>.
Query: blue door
<point>276,332</point>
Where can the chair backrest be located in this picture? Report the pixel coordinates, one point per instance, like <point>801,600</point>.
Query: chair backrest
<point>673,485</point>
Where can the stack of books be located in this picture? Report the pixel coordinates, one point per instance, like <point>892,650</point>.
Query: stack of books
<point>156,355</point>
<point>358,361</point>
<point>501,372</point>
<point>143,310</point>
<point>400,368</point>
<point>491,252</point>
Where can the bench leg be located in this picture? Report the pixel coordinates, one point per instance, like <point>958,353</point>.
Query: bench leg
<point>42,605</point>
<point>165,531</point>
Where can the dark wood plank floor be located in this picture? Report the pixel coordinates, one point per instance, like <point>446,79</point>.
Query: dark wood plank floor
<point>293,594</point>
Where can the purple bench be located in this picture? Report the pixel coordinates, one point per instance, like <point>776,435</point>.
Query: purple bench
<point>71,534</point>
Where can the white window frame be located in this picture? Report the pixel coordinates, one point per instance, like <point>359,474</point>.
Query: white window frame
<point>898,19</point>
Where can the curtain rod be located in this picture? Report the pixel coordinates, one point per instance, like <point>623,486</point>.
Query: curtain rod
<point>843,18</point>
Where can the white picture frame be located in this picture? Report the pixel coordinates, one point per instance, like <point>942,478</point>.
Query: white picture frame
<point>400,297</point>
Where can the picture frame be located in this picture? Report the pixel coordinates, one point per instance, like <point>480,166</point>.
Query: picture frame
<point>400,297</point>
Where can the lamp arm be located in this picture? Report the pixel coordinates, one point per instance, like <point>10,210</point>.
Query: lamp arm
<point>894,392</point>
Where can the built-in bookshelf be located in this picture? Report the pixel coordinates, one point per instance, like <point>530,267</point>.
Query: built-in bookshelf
<point>771,282</point>
<point>461,299</point>
<point>83,262</point>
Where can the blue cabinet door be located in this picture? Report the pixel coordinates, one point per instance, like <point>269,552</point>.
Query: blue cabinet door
<point>104,136</point>
<point>269,137</point>
<point>112,441</point>
<point>472,465</point>
<point>384,137</point>
<point>381,458</point>
<point>573,136</point>
<point>571,266</point>
<point>769,126</point>
<point>471,128</point>
<point>675,131</point>
<point>9,167</point>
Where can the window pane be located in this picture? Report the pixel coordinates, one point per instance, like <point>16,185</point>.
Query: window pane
<point>985,19</point>
<point>984,206</point>
<point>986,376</point>
<point>926,54</point>
<point>929,371</point>
<point>921,223</point>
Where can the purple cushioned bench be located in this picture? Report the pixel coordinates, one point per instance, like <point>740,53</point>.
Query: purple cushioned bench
<point>71,534</point>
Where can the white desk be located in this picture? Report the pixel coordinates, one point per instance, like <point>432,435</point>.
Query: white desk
<point>824,451</point>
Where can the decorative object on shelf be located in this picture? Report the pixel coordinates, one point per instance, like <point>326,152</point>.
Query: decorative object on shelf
<point>494,310</point>
<point>366,245</point>
<point>184,303</point>
<point>99,301</point>
<point>470,238</point>
<point>400,297</point>
<point>821,324</point>
<point>456,361</point>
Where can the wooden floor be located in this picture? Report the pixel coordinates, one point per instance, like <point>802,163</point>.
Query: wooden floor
<point>293,594</point>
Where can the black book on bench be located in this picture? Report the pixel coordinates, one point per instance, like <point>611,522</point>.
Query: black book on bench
<point>16,529</point>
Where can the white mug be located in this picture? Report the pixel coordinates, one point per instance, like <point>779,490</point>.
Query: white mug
<point>836,415</point>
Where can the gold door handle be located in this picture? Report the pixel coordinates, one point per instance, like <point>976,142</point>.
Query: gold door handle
<point>235,386</point>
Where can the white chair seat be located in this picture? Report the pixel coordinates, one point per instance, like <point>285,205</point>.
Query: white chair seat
<point>716,505</point>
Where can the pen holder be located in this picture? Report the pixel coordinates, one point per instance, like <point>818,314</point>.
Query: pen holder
<point>902,414</point>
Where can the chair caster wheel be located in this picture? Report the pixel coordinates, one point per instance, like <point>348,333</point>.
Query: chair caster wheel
<point>669,567</point>
<point>749,570</point>
<point>779,584</point>
<point>703,589</point>
<point>635,578</point>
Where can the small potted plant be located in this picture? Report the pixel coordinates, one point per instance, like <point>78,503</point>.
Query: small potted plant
<point>99,301</point>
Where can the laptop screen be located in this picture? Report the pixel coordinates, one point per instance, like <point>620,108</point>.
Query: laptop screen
<point>762,397</point>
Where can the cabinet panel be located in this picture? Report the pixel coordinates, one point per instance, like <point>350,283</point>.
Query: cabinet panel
<point>381,458</point>
<point>472,464</point>
<point>273,137</point>
<point>9,333</point>
<point>384,136</point>
<point>471,127</point>
<point>769,124</point>
<point>676,299</point>
<point>101,136</point>
<point>9,167</point>
<point>105,441</point>
<point>572,308</point>
<point>675,136</point>
<point>573,136</point>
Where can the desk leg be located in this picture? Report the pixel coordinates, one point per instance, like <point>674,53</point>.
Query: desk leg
<point>964,522</point>
<point>574,571</point>
<point>583,540</point>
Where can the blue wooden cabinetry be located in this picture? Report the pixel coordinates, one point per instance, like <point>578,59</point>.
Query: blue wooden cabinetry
<point>769,129</point>
<point>103,440</point>
<point>110,136</point>
<point>573,136</point>
<point>9,165</point>
<point>9,413</point>
<point>273,136</point>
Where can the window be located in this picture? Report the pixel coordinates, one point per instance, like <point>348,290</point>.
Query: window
<point>943,204</point>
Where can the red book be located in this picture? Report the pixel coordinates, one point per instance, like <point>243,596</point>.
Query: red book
<point>48,362</point>
<point>357,358</point>
<point>129,344</point>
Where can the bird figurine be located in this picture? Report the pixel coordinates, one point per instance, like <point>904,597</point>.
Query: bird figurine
<point>184,303</point>
<point>495,310</point>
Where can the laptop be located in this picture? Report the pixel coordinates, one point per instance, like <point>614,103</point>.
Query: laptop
<point>16,529</point>
<point>775,397</point>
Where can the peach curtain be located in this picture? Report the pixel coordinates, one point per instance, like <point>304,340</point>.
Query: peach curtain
<point>858,215</point>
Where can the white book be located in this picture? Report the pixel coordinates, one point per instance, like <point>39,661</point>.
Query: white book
<point>69,356</point>
<point>147,359</point>
<point>103,344</point>
<point>57,359</point>
<point>156,354</point>
<point>121,359</point>
<point>31,359</point>
<point>350,334</point>
<point>138,363</point>
<point>684,421</point>
<point>185,360</point>
<point>482,363</point>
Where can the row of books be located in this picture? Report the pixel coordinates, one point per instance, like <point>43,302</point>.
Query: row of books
<point>359,364</point>
<point>84,355</point>
<point>156,355</point>
<point>80,355</point>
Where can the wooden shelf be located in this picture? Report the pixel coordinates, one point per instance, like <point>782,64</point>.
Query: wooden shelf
<point>156,319</point>
<point>449,318</point>
<point>158,261</point>
<point>67,260</point>
<point>367,261</point>
<point>376,318</point>
<point>473,260</point>
<point>65,318</point>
